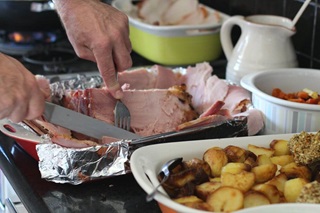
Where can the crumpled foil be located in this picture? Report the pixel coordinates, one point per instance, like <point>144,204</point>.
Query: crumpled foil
<point>80,81</point>
<point>75,166</point>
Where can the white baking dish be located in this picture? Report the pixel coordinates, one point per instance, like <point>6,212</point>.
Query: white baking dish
<point>147,161</point>
<point>283,116</point>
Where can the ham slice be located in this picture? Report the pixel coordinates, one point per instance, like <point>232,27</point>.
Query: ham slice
<point>68,141</point>
<point>255,120</point>
<point>237,99</point>
<point>155,77</point>
<point>139,78</point>
<point>159,110</point>
<point>202,121</point>
<point>206,89</point>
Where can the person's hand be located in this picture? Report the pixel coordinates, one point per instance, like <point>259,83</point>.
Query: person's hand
<point>21,96</point>
<point>99,33</point>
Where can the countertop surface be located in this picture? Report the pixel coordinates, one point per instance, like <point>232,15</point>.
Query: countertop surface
<point>116,194</point>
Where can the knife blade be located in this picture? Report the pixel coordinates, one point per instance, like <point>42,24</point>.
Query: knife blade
<point>83,124</point>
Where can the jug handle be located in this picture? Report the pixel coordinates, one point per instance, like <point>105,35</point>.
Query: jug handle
<point>225,34</point>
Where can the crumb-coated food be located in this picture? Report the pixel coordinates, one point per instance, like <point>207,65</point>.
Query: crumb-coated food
<point>305,147</point>
<point>310,193</point>
<point>233,178</point>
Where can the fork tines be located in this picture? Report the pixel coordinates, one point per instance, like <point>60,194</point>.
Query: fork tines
<point>122,116</point>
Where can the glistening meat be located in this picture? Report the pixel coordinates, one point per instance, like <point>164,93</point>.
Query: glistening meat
<point>153,111</point>
<point>162,99</point>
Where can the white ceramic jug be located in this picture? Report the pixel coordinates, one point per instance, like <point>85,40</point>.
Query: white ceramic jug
<point>265,42</point>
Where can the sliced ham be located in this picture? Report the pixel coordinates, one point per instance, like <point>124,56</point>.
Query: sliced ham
<point>154,77</point>
<point>165,77</point>
<point>214,109</point>
<point>153,111</point>
<point>68,141</point>
<point>237,99</point>
<point>255,120</point>
<point>159,110</point>
<point>160,100</point>
<point>43,127</point>
<point>139,78</point>
<point>202,121</point>
<point>206,89</point>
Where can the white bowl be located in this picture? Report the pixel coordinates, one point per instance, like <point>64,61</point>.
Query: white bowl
<point>146,162</point>
<point>282,116</point>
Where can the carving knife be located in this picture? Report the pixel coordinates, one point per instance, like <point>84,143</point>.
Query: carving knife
<point>84,124</point>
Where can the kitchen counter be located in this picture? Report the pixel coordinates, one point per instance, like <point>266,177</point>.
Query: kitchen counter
<point>116,194</point>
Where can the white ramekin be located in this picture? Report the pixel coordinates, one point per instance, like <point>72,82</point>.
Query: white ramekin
<point>281,116</point>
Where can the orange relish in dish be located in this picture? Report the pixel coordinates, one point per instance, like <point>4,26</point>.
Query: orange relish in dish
<point>306,96</point>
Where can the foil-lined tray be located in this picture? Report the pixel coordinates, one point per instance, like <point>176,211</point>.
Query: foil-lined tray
<point>75,166</point>
<point>78,165</point>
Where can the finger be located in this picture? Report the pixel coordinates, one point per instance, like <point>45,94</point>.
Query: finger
<point>5,112</point>
<point>36,106</point>
<point>125,35</point>
<point>108,72</point>
<point>18,113</point>
<point>84,52</point>
<point>121,57</point>
<point>127,41</point>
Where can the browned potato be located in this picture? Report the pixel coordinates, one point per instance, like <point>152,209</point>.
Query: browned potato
<point>216,179</point>
<point>199,205</point>
<point>182,178</point>
<point>263,159</point>
<point>188,199</point>
<point>235,168</point>
<point>280,147</point>
<point>226,199</point>
<point>292,188</point>
<point>264,172</point>
<point>282,160</point>
<point>229,179</point>
<point>198,163</point>
<point>278,181</point>
<point>257,150</point>
<point>270,191</point>
<point>251,161</point>
<point>216,158</point>
<point>236,154</point>
<point>194,202</point>
<point>242,181</point>
<point>293,170</point>
<point>255,198</point>
<point>204,189</point>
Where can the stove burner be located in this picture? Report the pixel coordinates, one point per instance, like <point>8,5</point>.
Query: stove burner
<point>32,37</point>
<point>52,59</point>
<point>12,48</point>
<point>50,56</point>
<point>19,43</point>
